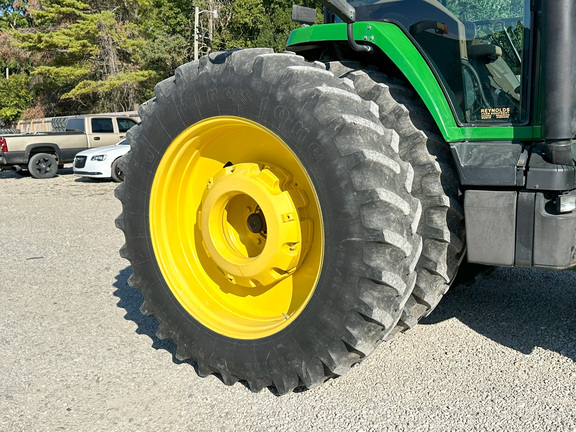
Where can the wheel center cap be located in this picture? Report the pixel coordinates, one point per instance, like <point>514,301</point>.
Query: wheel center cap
<point>250,225</point>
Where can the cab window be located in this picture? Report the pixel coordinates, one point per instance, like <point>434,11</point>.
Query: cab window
<point>124,124</point>
<point>102,125</point>
<point>477,48</point>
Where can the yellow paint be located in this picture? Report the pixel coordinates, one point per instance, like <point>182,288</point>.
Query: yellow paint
<point>238,283</point>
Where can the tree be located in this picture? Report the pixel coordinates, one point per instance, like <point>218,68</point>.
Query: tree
<point>278,22</point>
<point>79,56</point>
<point>164,52</point>
<point>167,27</point>
<point>93,56</point>
<point>14,14</point>
<point>256,23</point>
<point>16,96</point>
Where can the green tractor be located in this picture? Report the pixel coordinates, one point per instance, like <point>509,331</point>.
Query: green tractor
<point>285,213</point>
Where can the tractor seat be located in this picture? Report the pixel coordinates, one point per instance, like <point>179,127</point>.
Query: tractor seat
<point>477,48</point>
<point>486,51</point>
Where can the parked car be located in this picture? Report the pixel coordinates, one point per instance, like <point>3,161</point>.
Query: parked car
<point>43,153</point>
<point>101,162</point>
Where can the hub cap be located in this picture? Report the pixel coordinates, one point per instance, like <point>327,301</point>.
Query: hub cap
<point>239,202</point>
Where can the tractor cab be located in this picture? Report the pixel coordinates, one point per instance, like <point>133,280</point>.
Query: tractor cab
<point>478,54</point>
<point>498,79</point>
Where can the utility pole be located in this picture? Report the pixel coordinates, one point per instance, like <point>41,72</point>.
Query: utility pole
<point>196,22</point>
<point>210,23</point>
<point>212,13</point>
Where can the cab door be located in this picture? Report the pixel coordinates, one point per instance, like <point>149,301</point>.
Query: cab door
<point>124,124</point>
<point>103,132</point>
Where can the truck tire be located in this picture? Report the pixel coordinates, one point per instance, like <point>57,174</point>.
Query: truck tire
<point>42,166</point>
<point>268,220</point>
<point>436,183</point>
<point>117,172</point>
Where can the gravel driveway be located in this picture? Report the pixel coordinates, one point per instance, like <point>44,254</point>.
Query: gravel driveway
<point>76,353</point>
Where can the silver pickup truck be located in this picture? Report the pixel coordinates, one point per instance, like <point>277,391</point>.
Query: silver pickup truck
<point>43,153</point>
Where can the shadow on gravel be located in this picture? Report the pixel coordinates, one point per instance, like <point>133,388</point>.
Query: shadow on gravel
<point>518,308</point>
<point>9,174</point>
<point>92,180</point>
<point>25,174</point>
<point>131,300</point>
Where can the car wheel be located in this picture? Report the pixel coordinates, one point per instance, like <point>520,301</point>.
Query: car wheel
<point>43,166</point>
<point>117,171</point>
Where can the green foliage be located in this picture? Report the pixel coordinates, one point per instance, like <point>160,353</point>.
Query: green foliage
<point>277,25</point>
<point>173,17</point>
<point>16,96</point>
<point>507,34</point>
<point>74,56</point>
<point>245,19</point>
<point>13,14</point>
<point>164,53</point>
<point>93,59</point>
<point>257,23</point>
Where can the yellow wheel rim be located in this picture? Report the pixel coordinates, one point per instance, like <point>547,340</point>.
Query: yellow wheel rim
<point>236,227</point>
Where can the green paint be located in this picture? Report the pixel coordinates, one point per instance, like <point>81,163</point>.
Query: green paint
<point>396,45</point>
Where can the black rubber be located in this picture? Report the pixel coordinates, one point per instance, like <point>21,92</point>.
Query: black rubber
<point>43,166</point>
<point>117,172</point>
<point>436,182</point>
<point>370,218</point>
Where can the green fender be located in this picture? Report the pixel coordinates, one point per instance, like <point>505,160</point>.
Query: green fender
<point>392,41</point>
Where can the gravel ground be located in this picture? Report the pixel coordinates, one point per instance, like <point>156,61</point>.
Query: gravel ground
<point>77,354</point>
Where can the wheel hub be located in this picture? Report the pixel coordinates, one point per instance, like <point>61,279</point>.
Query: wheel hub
<point>256,223</point>
<point>250,224</point>
<point>236,227</point>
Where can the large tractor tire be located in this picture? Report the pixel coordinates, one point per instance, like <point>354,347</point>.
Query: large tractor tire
<point>268,219</point>
<point>436,183</point>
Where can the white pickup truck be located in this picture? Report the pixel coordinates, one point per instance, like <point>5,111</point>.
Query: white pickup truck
<point>43,153</point>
